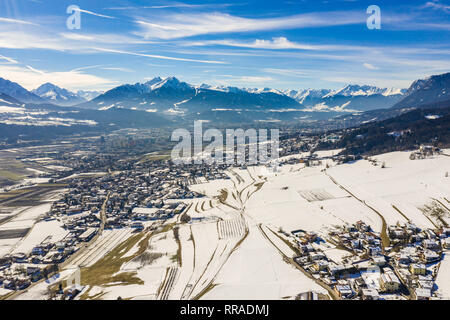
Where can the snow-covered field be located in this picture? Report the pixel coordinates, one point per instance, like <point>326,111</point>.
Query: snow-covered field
<point>313,199</point>
<point>257,271</point>
<point>233,248</point>
<point>26,218</point>
<point>309,199</point>
<point>43,230</point>
<point>443,277</point>
<point>404,183</point>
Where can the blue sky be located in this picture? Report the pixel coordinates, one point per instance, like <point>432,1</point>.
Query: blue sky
<point>280,44</point>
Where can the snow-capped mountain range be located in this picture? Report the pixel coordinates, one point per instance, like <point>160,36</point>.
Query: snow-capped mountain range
<point>18,92</point>
<point>356,90</point>
<point>172,97</point>
<point>46,93</point>
<point>88,95</point>
<point>164,102</point>
<point>316,99</point>
<point>349,98</point>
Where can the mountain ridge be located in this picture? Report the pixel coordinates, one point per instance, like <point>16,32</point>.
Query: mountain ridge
<point>424,91</point>
<point>170,95</point>
<point>15,90</point>
<point>57,95</point>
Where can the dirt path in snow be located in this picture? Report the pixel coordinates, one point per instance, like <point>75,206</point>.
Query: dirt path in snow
<point>384,236</point>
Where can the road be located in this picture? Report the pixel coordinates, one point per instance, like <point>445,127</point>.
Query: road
<point>94,240</point>
<point>384,236</point>
<point>330,291</point>
<point>35,191</point>
<point>31,193</point>
<point>68,262</point>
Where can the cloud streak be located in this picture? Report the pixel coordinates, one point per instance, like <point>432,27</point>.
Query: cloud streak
<point>370,66</point>
<point>157,56</point>
<point>31,78</point>
<point>172,6</point>
<point>8,59</point>
<point>96,14</point>
<point>9,20</point>
<point>437,6</point>
<point>276,43</point>
<point>187,25</point>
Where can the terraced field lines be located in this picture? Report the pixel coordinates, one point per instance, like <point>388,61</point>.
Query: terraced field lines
<point>168,284</point>
<point>234,228</point>
<point>403,215</point>
<point>291,261</point>
<point>385,241</point>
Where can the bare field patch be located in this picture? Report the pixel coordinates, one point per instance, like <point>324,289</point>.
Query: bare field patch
<point>315,195</point>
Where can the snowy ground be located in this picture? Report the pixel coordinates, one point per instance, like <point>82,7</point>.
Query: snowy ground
<point>257,271</point>
<point>232,248</point>
<point>26,218</point>
<point>443,277</point>
<point>404,183</point>
<point>220,261</point>
<point>310,200</point>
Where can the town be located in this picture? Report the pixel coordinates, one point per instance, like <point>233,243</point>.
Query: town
<point>404,269</point>
<point>106,190</point>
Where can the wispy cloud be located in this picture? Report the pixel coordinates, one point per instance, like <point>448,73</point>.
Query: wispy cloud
<point>35,70</point>
<point>118,69</point>
<point>254,47</point>
<point>106,38</point>
<point>235,80</point>
<point>186,25</point>
<point>40,38</point>
<point>370,66</point>
<point>9,20</point>
<point>8,59</point>
<point>287,72</point>
<point>102,67</point>
<point>15,39</point>
<point>31,78</point>
<point>276,43</point>
<point>422,26</point>
<point>96,14</point>
<point>171,6</point>
<point>157,56</point>
<point>437,6</point>
<point>88,67</point>
<point>255,79</point>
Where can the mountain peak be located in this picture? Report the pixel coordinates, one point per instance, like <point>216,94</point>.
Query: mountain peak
<point>54,94</point>
<point>307,94</point>
<point>48,85</point>
<point>356,90</point>
<point>88,95</point>
<point>18,92</point>
<point>170,82</point>
<point>424,83</point>
<point>424,91</point>
<point>153,81</point>
<point>364,90</point>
